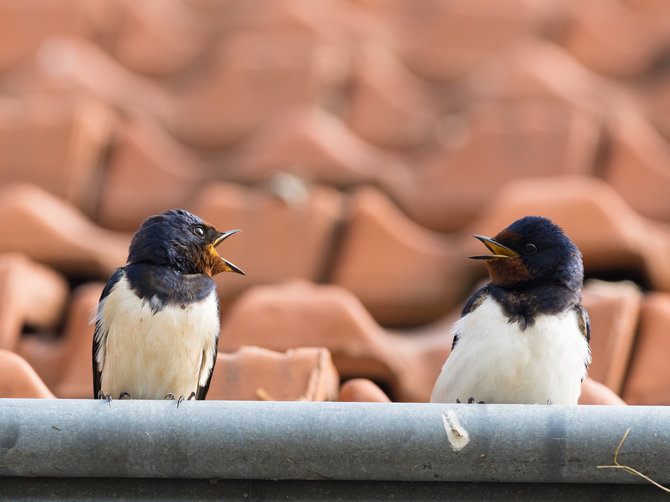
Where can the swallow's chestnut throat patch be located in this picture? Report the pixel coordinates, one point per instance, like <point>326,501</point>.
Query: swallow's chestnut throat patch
<point>507,271</point>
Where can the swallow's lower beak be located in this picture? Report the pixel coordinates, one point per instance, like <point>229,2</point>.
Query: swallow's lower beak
<point>229,267</point>
<point>497,250</point>
<point>222,264</point>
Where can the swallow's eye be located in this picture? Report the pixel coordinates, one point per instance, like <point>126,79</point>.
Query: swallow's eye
<point>199,230</point>
<point>529,248</point>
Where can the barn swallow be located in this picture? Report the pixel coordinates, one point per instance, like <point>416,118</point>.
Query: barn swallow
<point>524,336</point>
<point>157,324</point>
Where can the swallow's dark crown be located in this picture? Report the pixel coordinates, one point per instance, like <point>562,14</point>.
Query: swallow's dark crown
<point>172,239</point>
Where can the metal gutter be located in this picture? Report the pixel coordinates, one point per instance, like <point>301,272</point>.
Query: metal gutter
<point>406,444</point>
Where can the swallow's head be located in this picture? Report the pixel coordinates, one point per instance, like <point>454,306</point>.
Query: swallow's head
<point>181,240</point>
<point>533,250</point>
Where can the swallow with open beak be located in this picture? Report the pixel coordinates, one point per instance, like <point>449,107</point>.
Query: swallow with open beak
<point>157,324</point>
<point>524,336</point>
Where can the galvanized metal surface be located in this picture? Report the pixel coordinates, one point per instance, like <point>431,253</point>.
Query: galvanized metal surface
<point>330,441</point>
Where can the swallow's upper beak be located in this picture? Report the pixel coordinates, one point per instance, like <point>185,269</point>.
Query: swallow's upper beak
<point>223,236</point>
<point>224,265</point>
<point>497,250</point>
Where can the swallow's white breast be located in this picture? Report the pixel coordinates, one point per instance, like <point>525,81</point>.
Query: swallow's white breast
<point>151,354</point>
<point>495,362</point>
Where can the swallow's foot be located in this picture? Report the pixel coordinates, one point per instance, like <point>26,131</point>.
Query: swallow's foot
<point>549,401</point>
<point>125,395</point>
<point>107,397</point>
<point>182,399</point>
<point>169,396</point>
<point>472,401</point>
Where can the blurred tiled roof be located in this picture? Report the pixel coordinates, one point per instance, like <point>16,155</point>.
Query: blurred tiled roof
<point>357,143</point>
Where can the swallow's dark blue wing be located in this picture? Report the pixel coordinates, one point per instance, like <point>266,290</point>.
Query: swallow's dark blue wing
<point>202,390</point>
<point>99,335</point>
<point>473,302</point>
<point>584,322</point>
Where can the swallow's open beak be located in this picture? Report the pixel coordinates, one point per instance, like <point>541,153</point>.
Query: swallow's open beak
<point>224,265</point>
<point>497,250</point>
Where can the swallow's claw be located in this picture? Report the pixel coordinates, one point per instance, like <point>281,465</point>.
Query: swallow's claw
<point>182,398</point>
<point>107,397</point>
<point>169,396</point>
<point>125,395</point>
<point>471,400</point>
